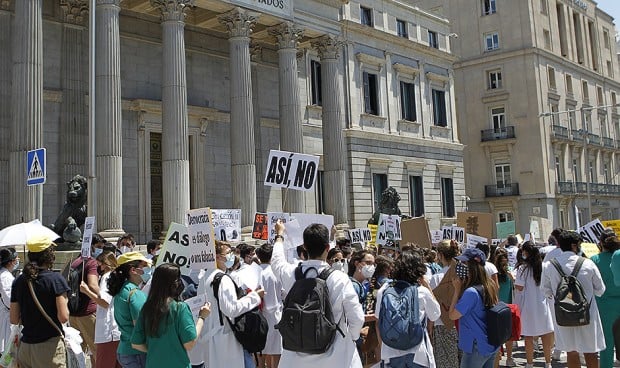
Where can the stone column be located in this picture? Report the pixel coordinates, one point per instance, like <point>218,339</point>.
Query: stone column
<point>291,133</point>
<point>242,149</point>
<point>27,123</point>
<point>334,152</point>
<point>256,53</point>
<point>175,146</point>
<point>108,120</point>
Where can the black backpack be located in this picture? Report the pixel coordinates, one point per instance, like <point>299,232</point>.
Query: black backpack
<point>307,324</point>
<point>77,300</point>
<point>251,327</point>
<point>498,321</point>
<point>571,306</point>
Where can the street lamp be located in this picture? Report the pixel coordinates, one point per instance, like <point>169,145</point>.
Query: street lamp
<point>582,110</point>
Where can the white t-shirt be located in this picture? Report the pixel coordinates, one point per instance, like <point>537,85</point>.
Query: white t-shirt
<point>106,329</point>
<point>490,268</point>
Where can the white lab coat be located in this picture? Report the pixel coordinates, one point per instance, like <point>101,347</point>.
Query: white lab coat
<point>6,279</point>
<point>218,342</point>
<point>272,309</point>
<point>346,310</point>
<point>584,339</point>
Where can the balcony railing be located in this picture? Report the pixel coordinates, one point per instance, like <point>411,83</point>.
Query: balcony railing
<point>501,190</point>
<point>594,139</point>
<point>497,134</point>
<point>577,135</point>
<point>560,132</point>
<point>609,142</point>
<point>567,187</point>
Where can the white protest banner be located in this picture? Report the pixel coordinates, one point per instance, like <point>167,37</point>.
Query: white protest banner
<point>389,228</point>
<point>307,219</point>
<point>176,248</point>
<point>293,237</point>
<point>291,170</point>
<point>202,238</point>
<point>473,240</point>
<point>359,235</point>
<point>89,225</point>
<point>195,303</point>
<point>454,233</point>
<point>272,218</point>
<point>436,236</point>
<point>227,224</point>
<point>591,231</point>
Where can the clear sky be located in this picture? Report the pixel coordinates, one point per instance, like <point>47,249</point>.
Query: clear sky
<point>612,7</point>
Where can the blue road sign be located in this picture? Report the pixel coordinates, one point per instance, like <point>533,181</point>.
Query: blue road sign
<point>35,167</point>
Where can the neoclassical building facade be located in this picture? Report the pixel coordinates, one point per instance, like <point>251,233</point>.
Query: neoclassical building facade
<point>191,95</point>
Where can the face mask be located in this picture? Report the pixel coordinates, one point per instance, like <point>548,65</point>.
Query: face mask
<point>16,263</point>
<point>368,271</point>
<point>338,266</point>
<point>97,252</point>
<point>524,257</point>
<point>124,249</point>
<point>157,252</point>
<point>146,275</point>
<point>230,260</point>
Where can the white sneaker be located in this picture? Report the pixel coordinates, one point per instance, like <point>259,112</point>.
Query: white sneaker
<point>558,355</point>
<point>582,359</point>
<point>510,363</point>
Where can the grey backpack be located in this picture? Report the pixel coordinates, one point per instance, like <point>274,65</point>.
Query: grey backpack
<point>571,305</point>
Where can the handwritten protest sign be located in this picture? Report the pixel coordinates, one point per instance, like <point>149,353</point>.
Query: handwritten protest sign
<point>436,236</point>
<point>89,225</point>
<point>505,228</point>
<point>473,240</point>
<point>291,170</point>
<point>415,231</point>
<point>496,242</point>
<point>195,303</point>
<point>359,235</point>
<point>227,224</point>
<point>613,224</point>
<point>260,230</point>
<point>591,231</point>
<point>202,238</point>
<point>389,229</point>
<point>272,218</point>
<point>589,249</point>
<point>176,248</point>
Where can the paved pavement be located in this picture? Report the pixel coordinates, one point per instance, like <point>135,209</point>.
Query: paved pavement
<point>518,355</point>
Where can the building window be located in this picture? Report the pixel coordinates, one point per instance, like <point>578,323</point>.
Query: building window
<point>543,6</point>
<point>614,100</point>
<point>494,78</point>
<point>547,37</point>
<point>379,184</point>
<point>551,78</point>
<point>610,69</point>
<point>488,7</point>
<point>576,171</point>
<point>439,108</point>
<point>320,192</point>
<point>498,119</point>
<point>401,28</point>
<point>366,16</point>
<point>592,173</point>
<point>416,196</point>
<point>407,101</point>
<point>433,41</point>
<point>371,95</point>
<point>558,169</point>
<point>599,96</point>
<point>502,176</point>
<point>447,197</point>
<point>606,40</point>
<point>555,117</point>
<point>584,90</point>
<point>572,119</point>
<point>315,80</point>
<point>606,173</point>
<point>491,41</point>
<point>505,216</point>
<point>569,83</point>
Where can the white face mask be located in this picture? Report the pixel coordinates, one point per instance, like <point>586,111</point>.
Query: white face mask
<point>368,271</point>
<point>124,249</point>
<point>337,265</point>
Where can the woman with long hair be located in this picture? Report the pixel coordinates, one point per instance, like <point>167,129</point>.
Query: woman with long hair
<point>9,260</point>
<point>469,307</point>
<point>443,332</point>
<point>42,343</point>
<point>107,334</point>
<point>610,300</point>
<point>536,319</point>
<point>409,267</point>
<point>133,270</point>
<point>361,269</point>
<point>506,281</point>
<point>165,328</point>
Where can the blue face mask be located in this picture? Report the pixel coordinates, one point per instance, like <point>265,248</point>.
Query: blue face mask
<point>230,260</point>
<point>146,275</point>
<point>97,252</point>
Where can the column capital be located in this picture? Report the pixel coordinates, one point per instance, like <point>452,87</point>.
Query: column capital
<point>239,22</point>
<point>328,46</point>
<point>287,34</point>
<point>5,4</point>
<point>174,10</point>
<point>108,2</point>
<point>74,11</point>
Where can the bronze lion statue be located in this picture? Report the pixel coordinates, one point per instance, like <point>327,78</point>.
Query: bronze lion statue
<point>74,210</point>
<point>388,205</point>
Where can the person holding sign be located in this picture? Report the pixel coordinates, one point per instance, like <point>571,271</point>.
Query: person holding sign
<point>165,328</point>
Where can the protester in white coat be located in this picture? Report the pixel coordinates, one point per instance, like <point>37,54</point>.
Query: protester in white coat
<point>344,301</point>
<point>272,307</point>
<point>588,339</point>
<point>222,348</point>
<point>8,262</point>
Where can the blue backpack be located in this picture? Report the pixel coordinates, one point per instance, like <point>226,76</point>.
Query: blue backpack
<point>399,318</point>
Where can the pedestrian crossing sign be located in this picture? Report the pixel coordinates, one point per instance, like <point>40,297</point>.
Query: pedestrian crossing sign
<point>35,167</point>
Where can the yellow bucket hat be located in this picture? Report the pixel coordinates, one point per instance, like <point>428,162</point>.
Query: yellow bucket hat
<point>132,256</point>
<point>39,243</point>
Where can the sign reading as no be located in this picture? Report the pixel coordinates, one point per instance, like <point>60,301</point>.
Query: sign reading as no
<point>291,170</point>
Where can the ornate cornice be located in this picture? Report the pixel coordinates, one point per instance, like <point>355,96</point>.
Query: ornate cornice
<point>239,22</point>
<point>172,9</point>
<point>328,46</point>
<point>287,34</point>
<point>75,11</point>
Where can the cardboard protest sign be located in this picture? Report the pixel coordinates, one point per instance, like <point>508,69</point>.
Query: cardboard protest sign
<point>613,224</point>
<point>454,233</point>
<point>389,228</point>
<point>476,223</point>
<point>415,231</point>
<point>176,248</point>
<point>89,225</point>
<point>591,231</point>
<point>505,228</point>
<point>291,170</point>
<point>473,240</point>
<point>359,235</point>
<point>260,230</point>
<point>227,224</point>
<point>202,238</point>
